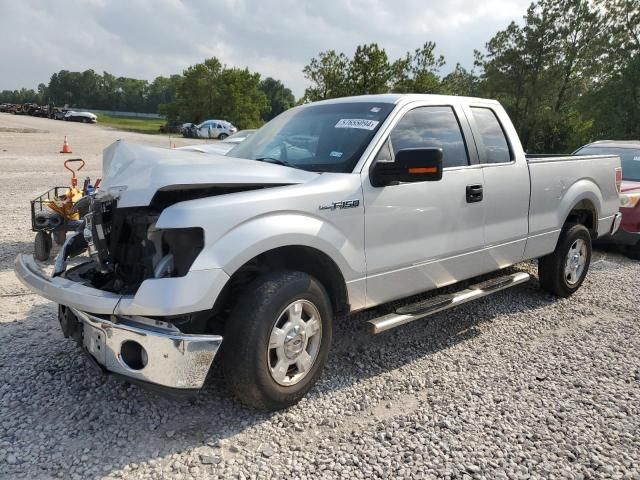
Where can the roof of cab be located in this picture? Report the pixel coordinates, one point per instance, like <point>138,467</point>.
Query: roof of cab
<point>396,98</point>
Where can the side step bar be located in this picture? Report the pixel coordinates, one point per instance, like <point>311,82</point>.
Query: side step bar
<point>419,310</point>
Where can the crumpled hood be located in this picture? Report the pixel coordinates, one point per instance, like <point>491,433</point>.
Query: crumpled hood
<point>135,172</point>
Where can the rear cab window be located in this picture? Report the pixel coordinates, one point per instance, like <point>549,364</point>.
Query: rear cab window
<point>493,146</point>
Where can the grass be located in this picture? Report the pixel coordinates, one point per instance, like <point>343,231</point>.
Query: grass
<point>138,125</point>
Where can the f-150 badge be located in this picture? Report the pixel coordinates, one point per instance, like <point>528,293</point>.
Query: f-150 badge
<point>341,205</point>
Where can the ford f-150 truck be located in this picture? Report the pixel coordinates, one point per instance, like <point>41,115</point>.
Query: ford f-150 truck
<point>330,208</point>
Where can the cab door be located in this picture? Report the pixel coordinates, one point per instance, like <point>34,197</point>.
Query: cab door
<point>425,235</point>
<point>506,184</point>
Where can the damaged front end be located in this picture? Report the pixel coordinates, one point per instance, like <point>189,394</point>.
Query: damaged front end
<point>126,248</point>
<point>138,304</point>
<point>158,335</point>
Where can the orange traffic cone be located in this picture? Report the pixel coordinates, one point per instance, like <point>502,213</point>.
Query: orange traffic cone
<point>66,148</point>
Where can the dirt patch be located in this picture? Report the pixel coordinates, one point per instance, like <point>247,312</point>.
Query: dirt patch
<point>22,130</point>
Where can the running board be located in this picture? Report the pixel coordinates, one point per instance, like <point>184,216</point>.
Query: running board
<point>422,309</point>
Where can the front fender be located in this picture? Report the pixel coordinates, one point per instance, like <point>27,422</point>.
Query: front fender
<point>267,232</point>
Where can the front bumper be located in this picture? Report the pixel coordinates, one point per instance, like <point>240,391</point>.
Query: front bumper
<point>157,297</point>
<point>143,349</point>
<point>115,329</point>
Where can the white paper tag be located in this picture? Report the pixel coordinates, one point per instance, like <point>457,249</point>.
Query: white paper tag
<point>336,154</point>
<point>360,123</point>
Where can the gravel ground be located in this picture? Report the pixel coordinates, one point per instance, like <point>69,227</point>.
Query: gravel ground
<point>519,385</point>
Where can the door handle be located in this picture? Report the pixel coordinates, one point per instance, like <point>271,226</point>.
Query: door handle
<point>474,193</point>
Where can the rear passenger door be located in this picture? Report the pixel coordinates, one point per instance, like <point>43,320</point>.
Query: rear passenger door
<point>506,185</point>
<point>428,234</point>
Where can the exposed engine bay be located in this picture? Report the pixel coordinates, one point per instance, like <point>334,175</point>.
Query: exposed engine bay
<point>126,248</point>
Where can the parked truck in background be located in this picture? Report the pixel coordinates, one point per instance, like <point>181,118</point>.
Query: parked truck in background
<point>330,208</point>
<point>628,235</point>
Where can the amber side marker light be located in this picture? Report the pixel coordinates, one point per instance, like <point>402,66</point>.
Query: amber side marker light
<point>423,170</point>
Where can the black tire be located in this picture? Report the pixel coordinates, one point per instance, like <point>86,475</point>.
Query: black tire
<point>551,268</point>
<point>42,246</point>
<point>222,136</point>
<point>247,356</point>
<point>85,120</point>
<point>59,237</point>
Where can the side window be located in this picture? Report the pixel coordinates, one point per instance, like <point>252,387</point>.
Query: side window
<point>431,127</point>
<point>492,137</point>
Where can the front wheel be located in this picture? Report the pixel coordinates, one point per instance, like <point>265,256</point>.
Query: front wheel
<point>277,340</point>
<point>222,136</point>
<point>563,271</point>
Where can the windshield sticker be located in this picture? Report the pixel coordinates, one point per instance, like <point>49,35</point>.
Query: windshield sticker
<point>375,109</point>
<point>636,159</point>
<point>336,154</point>
<point>360,123</point>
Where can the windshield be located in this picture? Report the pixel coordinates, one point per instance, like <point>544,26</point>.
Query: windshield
<point>319,138</point>
<point>630,158</point>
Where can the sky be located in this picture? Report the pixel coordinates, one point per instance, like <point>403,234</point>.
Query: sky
<point>144,39</point>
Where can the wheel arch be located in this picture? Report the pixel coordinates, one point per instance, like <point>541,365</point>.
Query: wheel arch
<point>302,258</point>
<point>582,204</point>
<point>584,212</point>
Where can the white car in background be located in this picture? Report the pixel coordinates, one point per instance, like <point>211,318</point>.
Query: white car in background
<point>84,117</point>
<point>219,129</point>
<point>222,147</point>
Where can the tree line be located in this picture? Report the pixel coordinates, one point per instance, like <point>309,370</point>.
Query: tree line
<point>570,73</point>
<point>205,90</point>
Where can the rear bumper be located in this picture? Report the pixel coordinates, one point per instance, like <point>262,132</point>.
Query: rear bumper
<point>144,350</point>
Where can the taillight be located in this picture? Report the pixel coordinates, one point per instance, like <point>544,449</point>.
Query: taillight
<point>618,178</point>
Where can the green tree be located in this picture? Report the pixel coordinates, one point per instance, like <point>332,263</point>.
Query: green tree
<point>369,71</point>
<point>460,82</point>
<point>280,98</point>
<point>211,90</point>
<point>328,75</point>
<point>195,96</point>
<point>418,72</point>
<point>162,91</point>
<point>240,99</point>
<point>614,98</point>
<point>538,72</point>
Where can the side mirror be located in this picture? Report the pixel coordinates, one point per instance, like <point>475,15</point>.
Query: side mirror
<point>410,165</point>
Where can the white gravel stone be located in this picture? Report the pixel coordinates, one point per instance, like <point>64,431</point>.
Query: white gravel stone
<point>518,385</point>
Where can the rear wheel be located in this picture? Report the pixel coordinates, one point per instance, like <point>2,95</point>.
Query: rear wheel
<point>563,271</point>
<point>42,246</point>
<point>277,340</point>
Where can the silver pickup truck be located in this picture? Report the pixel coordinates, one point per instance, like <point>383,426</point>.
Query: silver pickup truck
<point>330,208</point>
